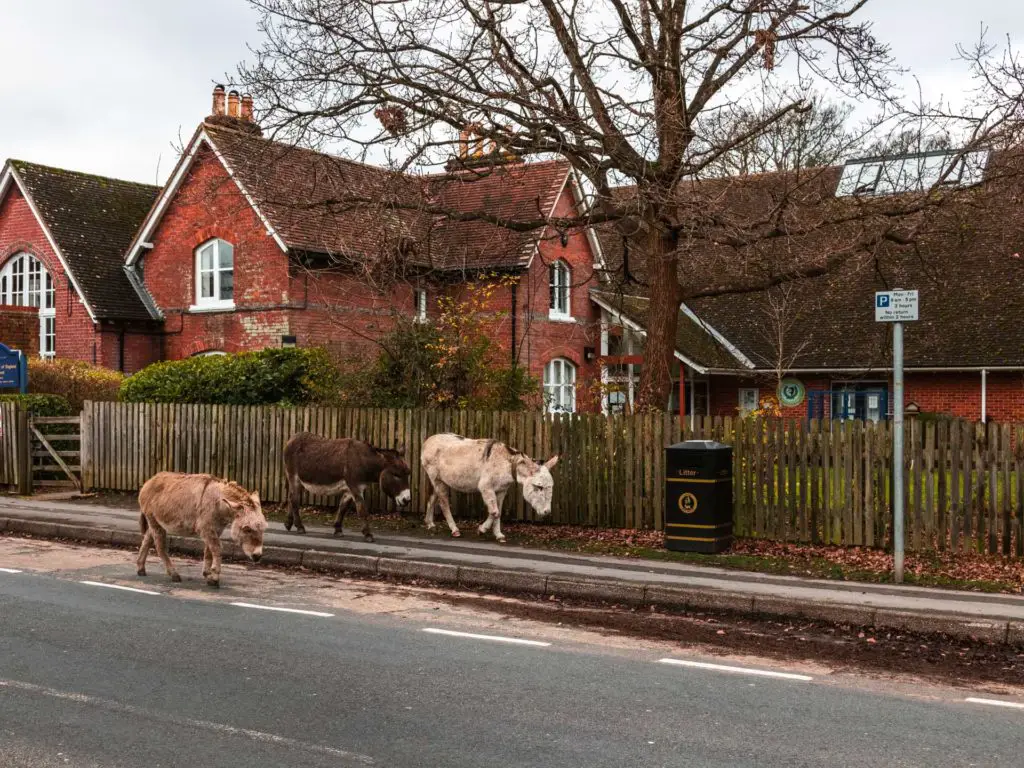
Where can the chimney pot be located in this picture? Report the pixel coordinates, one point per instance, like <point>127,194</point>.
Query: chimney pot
<point>233,105</point>
<point>218,99</point>
<point>247,108</point>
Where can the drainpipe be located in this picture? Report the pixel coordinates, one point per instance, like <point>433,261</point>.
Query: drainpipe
<point>120,350</point>
<point>984,395</point>
<point>514,298</point>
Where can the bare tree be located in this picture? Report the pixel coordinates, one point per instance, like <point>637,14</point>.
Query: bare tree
<point>622,89</point>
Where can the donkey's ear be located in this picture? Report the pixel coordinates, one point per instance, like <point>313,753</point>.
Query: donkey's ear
<point>550,463</point>
<point>401,448</point>
<point>255,496</point>
<point>235,505</point>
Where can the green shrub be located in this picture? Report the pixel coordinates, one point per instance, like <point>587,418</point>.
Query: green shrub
<point>271,376</point>
<point>76,380</point>
<point>42,405</point>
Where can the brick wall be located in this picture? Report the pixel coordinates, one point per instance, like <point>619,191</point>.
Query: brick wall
<point>208,205</point>
<point>948,393</point>
<point>21,232</point>
<point>19,329</point>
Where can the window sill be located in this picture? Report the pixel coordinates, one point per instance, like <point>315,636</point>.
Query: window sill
<point>225,306</point>
<point>561,318</point>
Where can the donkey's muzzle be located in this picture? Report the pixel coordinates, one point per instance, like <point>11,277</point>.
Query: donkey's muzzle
<point>256,557</point>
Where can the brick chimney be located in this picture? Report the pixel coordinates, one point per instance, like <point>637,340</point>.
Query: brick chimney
<point>247,108</point>
<point>218,100</point>
<point>233,104</point>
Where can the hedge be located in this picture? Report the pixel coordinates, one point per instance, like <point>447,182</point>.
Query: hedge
<point>42,405</point>
<point>76,380</point>
<point>272,376</point>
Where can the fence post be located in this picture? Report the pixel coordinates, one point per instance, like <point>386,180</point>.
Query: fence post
<point>24,444</point>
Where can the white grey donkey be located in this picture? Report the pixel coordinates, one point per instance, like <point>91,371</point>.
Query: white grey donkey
<point>487,467</point>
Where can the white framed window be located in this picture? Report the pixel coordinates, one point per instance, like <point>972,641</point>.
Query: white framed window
<point>560,386</point>
<point>215,276</point>
<point>419,297</point>
<point>24,282</point>
<point>210,353</point>
<point>749,400</point>
<point>559,282</point>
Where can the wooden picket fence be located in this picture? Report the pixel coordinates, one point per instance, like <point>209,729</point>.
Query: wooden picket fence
<point>793,481</point>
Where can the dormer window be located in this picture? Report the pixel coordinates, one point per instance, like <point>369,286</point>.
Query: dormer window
<point>215,275</point>
<point>560,278</point>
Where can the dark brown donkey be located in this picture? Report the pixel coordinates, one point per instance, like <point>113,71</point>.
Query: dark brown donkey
<point>327,467</point>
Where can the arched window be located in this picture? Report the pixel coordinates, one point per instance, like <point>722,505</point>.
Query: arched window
<point>560,278</point>
<point>215,275</point>
<point>24,282</point>
<point>560,386</point>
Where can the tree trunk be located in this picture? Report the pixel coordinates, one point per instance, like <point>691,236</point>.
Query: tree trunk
<point>662,321</point>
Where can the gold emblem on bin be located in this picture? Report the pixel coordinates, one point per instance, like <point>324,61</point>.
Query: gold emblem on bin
<point>687,503</point>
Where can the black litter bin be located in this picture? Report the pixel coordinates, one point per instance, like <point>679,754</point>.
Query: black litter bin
<point>698,496</point>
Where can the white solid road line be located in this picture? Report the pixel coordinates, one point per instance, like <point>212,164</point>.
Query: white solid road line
<point>9,570</point>
<point>736,670</point>
<point>284,610</point>
<point>118,586</point>
<point>995,703</point>
<point>493,638</point>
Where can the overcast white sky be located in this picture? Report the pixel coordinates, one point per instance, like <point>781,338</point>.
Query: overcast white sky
<point>112,86</point>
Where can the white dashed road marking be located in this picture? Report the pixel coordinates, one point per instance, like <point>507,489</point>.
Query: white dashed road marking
<point>346,757</point>
<point>9,570</point>
<point>995,703</point>
<point>118,586</point>
<point>284,610</point>
<point>493,638</point>
<point>736,670</point>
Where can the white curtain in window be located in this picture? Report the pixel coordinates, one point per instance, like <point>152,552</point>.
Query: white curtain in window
<point>560,386</point>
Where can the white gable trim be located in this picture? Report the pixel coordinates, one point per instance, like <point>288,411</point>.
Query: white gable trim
<point>635,327</point>
<point>10,176</point>
<point>732,348</point>
<point>142,238</point>
<point>551,214</point>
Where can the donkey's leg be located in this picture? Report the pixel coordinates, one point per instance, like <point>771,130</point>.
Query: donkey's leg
<point>293,505</point>
<point>213,547</point>
<point>428,517</point>
<point>493,513</point>
<point>443,494</point>
<point>160,540</point>
<point>499,499</point>
<point>147,542</point>
<point>207,559</point>
<point>294,489</point>
<point>361,508</point>
<point>343,504</point>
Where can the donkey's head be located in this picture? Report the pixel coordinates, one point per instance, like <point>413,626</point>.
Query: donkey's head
<point>537,482</point>
<point>394,477</point>
<point>248,525</point>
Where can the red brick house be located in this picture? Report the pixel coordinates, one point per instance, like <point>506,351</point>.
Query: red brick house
<point>964,357</point>
<point>254,243</point>
<point>62,240</point>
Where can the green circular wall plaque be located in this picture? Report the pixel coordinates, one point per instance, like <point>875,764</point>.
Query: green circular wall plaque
<point>791,393</point>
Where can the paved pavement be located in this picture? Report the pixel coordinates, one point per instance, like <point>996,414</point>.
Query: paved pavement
<point>91,676</point>
<point>470,562</point>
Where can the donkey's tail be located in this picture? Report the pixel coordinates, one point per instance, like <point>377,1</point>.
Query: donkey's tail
<point>143,525</point>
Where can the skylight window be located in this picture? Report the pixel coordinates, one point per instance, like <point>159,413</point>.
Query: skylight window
<point>911,173</point>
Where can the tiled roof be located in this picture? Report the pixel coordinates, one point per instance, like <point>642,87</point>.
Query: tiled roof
<point>325,204</point>
<point>92,219</point>
<point>693,339</point>
<point>967,262</point>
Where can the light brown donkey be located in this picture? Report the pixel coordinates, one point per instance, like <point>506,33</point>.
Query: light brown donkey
<point>184,505</point>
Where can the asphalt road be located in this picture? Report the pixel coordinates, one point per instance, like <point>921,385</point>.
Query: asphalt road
<point>91,676</point>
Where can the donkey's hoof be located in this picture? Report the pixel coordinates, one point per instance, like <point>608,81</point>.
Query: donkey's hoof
<point>215,583</point>
<point>456,534</point>
<point>337,532</point>
<point>501,540</point>
<point>300,529</point>
<point>369,537</point>
<point>287,525</point>
<point>176,577</point>
<point>141,571</point>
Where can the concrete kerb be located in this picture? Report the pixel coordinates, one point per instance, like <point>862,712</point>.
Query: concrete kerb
<point>538,584</point>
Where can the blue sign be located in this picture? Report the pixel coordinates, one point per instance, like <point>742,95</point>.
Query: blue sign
<point>882,300</point>
<point>13,369</point>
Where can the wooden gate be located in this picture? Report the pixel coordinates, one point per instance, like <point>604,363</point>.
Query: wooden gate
<point>56,452</point>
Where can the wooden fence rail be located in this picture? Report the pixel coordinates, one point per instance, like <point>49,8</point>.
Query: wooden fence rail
<point>793,481</point>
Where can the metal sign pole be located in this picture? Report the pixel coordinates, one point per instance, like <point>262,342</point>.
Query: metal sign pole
<point>897,450</point>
